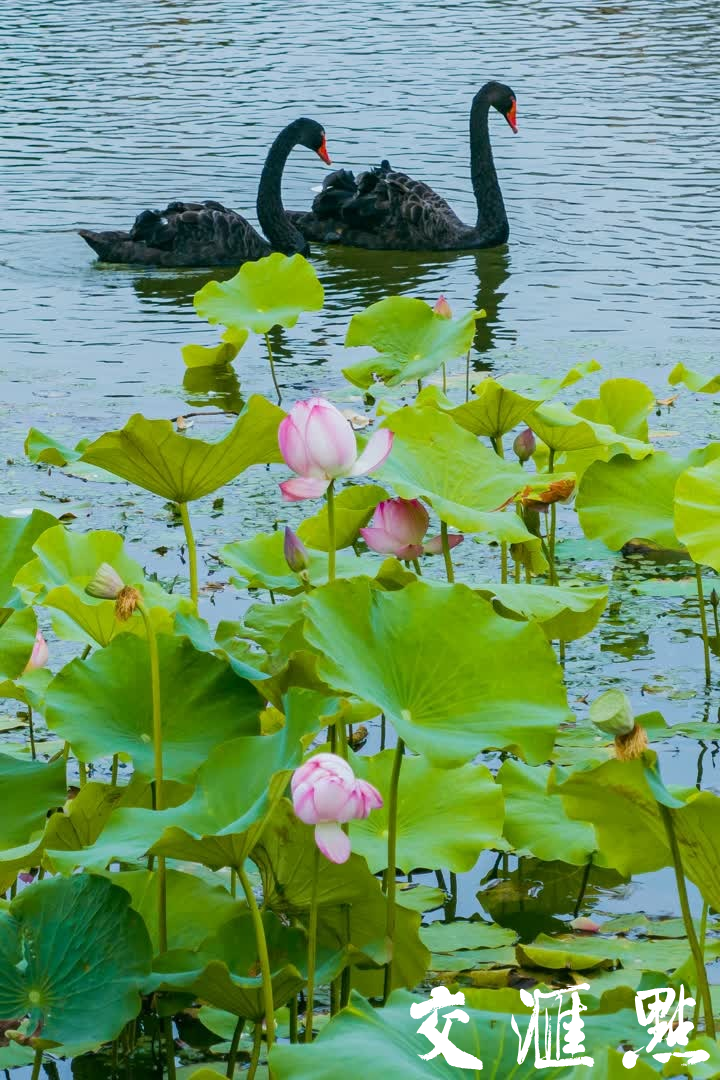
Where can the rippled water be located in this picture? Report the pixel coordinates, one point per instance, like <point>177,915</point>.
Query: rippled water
<point>611,190</point>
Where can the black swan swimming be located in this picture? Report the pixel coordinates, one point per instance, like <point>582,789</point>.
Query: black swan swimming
<point>385,209</point>
<point>207,233</point>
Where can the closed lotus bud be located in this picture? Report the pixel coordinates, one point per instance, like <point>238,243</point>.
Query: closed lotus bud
<point>524,445</point>
<point>612,713</point>
<point>107,583</point>
<point>39,656</point>
<point>714,598</point>
<point>442,308</point>
<point>296,555</point>
<point>126,602</point>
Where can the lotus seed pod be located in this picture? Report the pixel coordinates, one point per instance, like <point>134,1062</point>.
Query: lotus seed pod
<point>612,713</point>
<point>106,584</point>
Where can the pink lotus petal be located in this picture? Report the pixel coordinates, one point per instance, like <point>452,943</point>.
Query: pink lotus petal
<point>371,797</point>
<point>332,841</point>
<point>331,798</point>
<point>434,546</point>
<point>585,925</point>
<point>406,519</point>
<point>379,540</point>
<point>39,655</point>
<point>292,446</point>
<point>378,447</point>
<point>442,308</point>
<point>330,441</point>
<point>303,487</point>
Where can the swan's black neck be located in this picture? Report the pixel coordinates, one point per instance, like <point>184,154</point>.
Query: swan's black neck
<point>492,222</point>
<point>274,222</point>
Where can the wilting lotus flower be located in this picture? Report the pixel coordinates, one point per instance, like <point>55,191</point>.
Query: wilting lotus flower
<point>39,655</point>
<point>319,444</point>
<point>398,528</point>
<point>442,308</point>
<point>524,445</point>
<point>326,793</point>
<point>541,498</point>
<point>296,555</point>
<point>106,584</point>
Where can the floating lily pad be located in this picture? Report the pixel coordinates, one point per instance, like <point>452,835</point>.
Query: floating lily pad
<point>273,291</point>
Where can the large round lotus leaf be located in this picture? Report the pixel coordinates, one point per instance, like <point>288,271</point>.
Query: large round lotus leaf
<point>151,454</point>
<point>536,821</point>
<point>465,483</point>
<point>273,291</point>
<point>354,506</point>
<point>584,952</point>
<point>697,513</point>
<point>412,340</point>
<point>262,564</point>
<point>622,499</point>
<point>494,410</point>
<point>624,404</point>
<point>103,705</point>
<point>453,676</point>
<point>565,612</point>
<point>17,638</point>
<point>445,818</point>
<point>73,957</point>
<point>224,644</point>
<point>699,384</point>
<point>17,536</point>
<point>29,790</point>
<point>563,430</point>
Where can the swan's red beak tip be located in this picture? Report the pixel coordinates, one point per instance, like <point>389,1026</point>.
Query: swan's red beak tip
<point>322,152</point>
<point>511,117</point>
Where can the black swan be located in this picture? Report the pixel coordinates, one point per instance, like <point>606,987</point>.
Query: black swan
<point>207,233</point>
<point>384,209</point>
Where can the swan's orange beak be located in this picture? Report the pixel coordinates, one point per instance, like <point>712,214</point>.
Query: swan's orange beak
<point>511,117</point>
<point>322,152</point>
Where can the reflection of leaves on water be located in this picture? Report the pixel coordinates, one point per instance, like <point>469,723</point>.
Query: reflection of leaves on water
<point>216,386</point>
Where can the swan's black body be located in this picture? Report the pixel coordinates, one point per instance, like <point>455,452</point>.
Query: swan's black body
<point>207,233</point>
<point>386,209</point>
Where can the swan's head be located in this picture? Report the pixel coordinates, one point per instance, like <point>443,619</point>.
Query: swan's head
<point>502,98</point>
<point>311,134</point>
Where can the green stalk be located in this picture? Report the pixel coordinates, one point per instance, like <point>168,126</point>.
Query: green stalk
<point>553,527</point>
<point>255,1056</point>
<point>419,385</point>
<point>416,567</point>
<point>446,552</point>
<point>192,553</point>
<point>232,1056</point>
<point>263,957</point>
<point>503,563</point>
<point>703,620</point>
<point>272,367</point>
<point>114,773</point>
<point>82,770</point>
<point>37,1062</point>
<point>331,530</point>
<point>697,952</point>
<point>703,933</point>
<point>467,376</point>
<point>444,379</point>
<point>158,764</point>
<point>390,873</point>
<point>312,948</point>
<point>293,1009</point>
<point>32,732</point>
<point>169,1047</point>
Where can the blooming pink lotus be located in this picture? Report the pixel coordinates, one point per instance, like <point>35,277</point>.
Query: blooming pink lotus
<point>319,444</point>
<point>326,793</point>
<point>40,654</point>
<point>399,527</point>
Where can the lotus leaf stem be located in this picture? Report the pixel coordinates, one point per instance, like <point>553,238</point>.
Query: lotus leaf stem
<point>293,1010</point>
<point>703,933</point>
<point>114,772</point>
<point>444,371</point>
<point>192,553</point>
<point>169,1047</point>
<point>331,530</point>
<point>31,728</point>
<point>695,948</point>
<point>583,886</point>
<point>37,1062</point>
<point>390,873</point>
<point>446,552</point>
<point>255,1056</point>
<point>416,567</point>
<point>467,376</point>
<point>263,957</point>
<point>703,620</point>
<point>83,773</point>
<point>272,367</point>
<point>312,947</point>
<point>232,1055</point>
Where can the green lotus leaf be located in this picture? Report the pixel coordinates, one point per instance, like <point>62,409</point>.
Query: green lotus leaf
<point>224,645</point>
<point>42,449</point>
<point>493,411</point>
<point>564,612</point>
<point>623,404</point>
<point>562,430</point>
<point>412,340</point>
<point>151,454</point>
<point>273,291</point>
<point>699,384</point>
<point>30,790</point>
<point>354,506</point>
<point>466,483</point>
<point>200,356</point>
<point>73,957</point>
<point>442,666</point>
<point>621,499</point>
<point>17,536</point>
<point>419,898</point>
<point>583,953</point>
<point>466,934</point>
<point>697,513</point>
<point>445,819</point>
<point>261,564</point>
<point>538,386</point>
<point>29,688</point>
<point>103,705</point>
<point>17,638</point>
<point>536,820</point>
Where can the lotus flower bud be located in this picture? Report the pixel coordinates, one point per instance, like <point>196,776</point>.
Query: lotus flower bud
<point>326,794</point>
<point>714,598</point>
<point>442,308</point>
<point>524,445</point>
<point>106,584</point>
<point>296,555</point>
<point>39,655</point>
<point>126,602</point>
<point>585,925</point>
<point>612,713</point>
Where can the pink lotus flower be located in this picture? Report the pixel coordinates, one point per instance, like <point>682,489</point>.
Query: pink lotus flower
<point>442,308</point>
<point>296,554</point>
<point>399,527</point>
<point>39,655</point>
<point>319,444</point>
<point>326,793</point>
